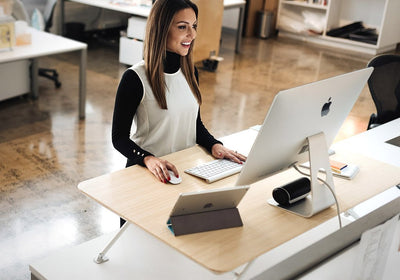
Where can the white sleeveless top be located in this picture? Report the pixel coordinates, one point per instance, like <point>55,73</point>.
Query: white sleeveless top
<point>161,131</point>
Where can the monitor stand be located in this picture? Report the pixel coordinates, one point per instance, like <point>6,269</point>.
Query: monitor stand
<point>320,196</point>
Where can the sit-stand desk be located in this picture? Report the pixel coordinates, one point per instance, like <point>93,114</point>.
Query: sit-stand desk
<point>268,233</point>
<point>45,44</point>
<point>144,11</point>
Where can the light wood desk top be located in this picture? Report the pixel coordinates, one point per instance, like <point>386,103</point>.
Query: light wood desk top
<point>134,194</point>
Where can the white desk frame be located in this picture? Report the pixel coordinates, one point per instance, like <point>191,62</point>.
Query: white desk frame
<point>145,11</point>
<point>45,44</point>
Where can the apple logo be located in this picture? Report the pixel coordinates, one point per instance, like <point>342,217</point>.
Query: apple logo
<point>325,108</point>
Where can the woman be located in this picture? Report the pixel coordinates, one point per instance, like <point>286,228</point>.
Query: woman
<point>158,99</point>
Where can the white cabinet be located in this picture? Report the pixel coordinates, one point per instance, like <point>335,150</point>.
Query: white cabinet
<point>131,46</point>
<point>309,21</point>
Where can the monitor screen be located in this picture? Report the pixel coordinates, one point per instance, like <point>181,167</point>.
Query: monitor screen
<point>296,114</point>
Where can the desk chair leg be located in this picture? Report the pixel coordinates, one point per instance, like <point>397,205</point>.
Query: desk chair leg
<point>101,256</point>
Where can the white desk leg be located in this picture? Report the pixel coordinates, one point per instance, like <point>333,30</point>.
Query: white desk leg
<point>34,78</point>
<point>238,275</point>
<point>62,17</point>
<point>101,256</point>
<point>239,29</point>
<point>82,84</point>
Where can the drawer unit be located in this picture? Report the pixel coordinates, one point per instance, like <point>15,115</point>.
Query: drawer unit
<point>136,28</point>
<point>14,79</point>
<point>130,50</point>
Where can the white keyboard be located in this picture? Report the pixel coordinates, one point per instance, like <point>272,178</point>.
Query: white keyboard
<point>215,170</point>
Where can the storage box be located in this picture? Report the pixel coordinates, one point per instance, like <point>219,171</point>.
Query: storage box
<point>22,34</point>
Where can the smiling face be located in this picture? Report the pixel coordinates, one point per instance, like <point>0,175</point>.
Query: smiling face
<point>182,32</point>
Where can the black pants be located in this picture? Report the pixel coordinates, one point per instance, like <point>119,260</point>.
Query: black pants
<point>121,222</point>
<point>129,162</point>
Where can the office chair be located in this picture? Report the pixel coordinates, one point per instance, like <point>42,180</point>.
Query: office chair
<point>20,13</point>
<point>384,86</point>
<point>51,74</point>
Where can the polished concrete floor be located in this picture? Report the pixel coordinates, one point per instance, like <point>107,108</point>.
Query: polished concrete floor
<point>45,150</point>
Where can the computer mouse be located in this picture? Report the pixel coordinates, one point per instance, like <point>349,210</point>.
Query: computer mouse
<point>174,180</point>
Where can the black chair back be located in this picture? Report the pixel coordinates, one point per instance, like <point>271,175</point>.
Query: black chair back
<point>384,86</point>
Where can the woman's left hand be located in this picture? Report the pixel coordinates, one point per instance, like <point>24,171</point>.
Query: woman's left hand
<point>219,151</point>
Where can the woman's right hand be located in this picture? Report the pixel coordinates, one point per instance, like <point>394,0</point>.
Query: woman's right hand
<point>159,168</point>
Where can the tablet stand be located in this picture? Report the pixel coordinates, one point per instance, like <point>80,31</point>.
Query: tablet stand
<point>320,196</point>
<point>205,221</point>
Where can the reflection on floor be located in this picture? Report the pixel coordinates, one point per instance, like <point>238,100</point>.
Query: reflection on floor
<point>45,150</point>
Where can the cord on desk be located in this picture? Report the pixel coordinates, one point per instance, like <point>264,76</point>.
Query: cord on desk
<point>329,187</point>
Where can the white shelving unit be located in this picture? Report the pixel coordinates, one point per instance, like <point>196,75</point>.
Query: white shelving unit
<point>296,18</point>
<point>308,4</point>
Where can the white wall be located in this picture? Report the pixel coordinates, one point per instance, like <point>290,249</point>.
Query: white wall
<point>368,11</point>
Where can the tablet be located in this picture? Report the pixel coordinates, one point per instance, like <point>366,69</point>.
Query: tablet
<point>208,200</point>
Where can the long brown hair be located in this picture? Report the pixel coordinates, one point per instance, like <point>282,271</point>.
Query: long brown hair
<point>155,48</point>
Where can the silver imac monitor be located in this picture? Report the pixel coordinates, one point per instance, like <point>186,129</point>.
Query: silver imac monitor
<point>296,114</point>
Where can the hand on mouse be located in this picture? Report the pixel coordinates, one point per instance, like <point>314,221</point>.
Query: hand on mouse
<point>219,151</point>
<point>159,168</point>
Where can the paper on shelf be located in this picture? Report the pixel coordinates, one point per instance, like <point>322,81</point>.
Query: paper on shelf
<point>378,254</point>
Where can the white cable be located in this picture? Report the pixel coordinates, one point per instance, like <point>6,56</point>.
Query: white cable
<point>329,187</point>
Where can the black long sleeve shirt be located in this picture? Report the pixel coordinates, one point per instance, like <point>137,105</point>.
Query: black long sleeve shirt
<point>129,95</point>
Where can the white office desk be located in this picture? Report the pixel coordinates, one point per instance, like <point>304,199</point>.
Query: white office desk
<point>144,11</point>
<point>137,10</point>
<point>131,258</point>
<point>45,44</point>
<point>370,143</point>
